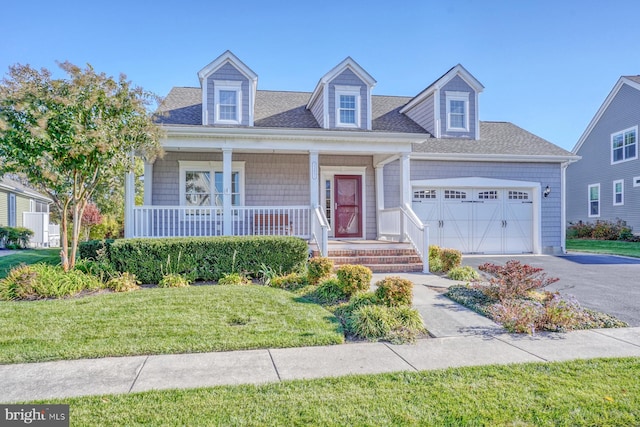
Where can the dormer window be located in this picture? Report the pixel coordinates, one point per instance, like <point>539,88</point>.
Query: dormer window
<point>347,106</point>
<point>457,111</point>
<point>228,108</point>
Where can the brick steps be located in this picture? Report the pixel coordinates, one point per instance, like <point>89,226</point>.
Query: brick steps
<point>379,260</point>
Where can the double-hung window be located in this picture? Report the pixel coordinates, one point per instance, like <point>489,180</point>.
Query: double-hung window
<point>457,111</point>
<point>624,145</point>
<point>618,192</point>
<point>594,200</point>
<point>228,102</point>
<point>347,106</point>
<point>201,184</point>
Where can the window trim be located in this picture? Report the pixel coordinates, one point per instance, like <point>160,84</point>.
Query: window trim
<point>636,181</point>
<point>623,132</point>
<point>457,96</point>
<point>212,167</point>
<point>618,181</point>
<point>350,91</point>
<point>12,210</point>
<point>589,200</point>
<point>227,85</point>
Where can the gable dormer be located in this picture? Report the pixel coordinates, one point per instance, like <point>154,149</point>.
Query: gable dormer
<point>448,108</point>
<point>342,98</point>
<point>228,92</point>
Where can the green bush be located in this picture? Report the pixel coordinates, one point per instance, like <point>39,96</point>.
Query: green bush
<point>435,261</point>
<point>354,278</point>
<point>93,249</point>
<point>123,282</point>
<point>207,258</point>
<point>601,230</point>
<point>378,322</point>
<point>15,237</point>
<point>173,280</point>
<point>290,282</point>
<point>101,269</point>
<point>466,273</point>
<point>344,311</point>
<point>36,281</point>
<point>329,292</point>
<point>234,279</point>
<point>443,259</point>
<point>319,268</point>
<point>395,291</point>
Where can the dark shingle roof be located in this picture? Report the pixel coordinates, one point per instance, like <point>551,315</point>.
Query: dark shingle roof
<point>495,138</point>
<point>634,78</point>
<point>14,186</point>
<point>278,109</point>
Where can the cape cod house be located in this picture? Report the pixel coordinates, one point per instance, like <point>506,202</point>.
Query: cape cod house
<point>605,184</point>
<point>340,163</point>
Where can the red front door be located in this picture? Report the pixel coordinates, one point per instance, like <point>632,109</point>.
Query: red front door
<point>348,205</point>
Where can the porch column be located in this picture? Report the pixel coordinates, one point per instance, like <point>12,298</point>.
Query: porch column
<point>405,190</point>
<point>226,191</point>
<point>379,194</point>
<point>314,186</point>
<point>148,183</point>
<point>129,199</point>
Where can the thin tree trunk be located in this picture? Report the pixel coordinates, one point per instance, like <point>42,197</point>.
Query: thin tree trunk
<point>64,252</point>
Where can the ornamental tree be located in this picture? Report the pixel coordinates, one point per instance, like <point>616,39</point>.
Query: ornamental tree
<point>73,137</point>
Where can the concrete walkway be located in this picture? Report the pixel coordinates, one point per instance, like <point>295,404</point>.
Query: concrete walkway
<point>462,338</point>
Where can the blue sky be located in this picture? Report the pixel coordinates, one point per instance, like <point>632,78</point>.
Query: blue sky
<point>547,66</point>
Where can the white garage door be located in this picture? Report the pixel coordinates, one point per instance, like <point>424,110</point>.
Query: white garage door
<point>482,220</point>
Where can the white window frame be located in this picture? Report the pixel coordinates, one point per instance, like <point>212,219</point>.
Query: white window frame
<point>457,96</point>
<point>349,91</point>
<point>228,85</point>
<point>589,200</point>
<point>621,182</point>
<point>623,132</point>
<point>212,167</point>
<point>12,217</point>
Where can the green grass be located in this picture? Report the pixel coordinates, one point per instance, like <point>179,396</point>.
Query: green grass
<point>597,392</point>
<point>28,256</point>
<point>162,321</point>
<point>613,247</point>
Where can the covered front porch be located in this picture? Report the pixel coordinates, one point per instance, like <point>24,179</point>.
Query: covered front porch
<point>333,192</point>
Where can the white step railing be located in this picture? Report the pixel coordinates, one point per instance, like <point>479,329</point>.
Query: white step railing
<point>183,221</point>
<point>320,230</point>
<point>417,233</point>
<point>389,224</point>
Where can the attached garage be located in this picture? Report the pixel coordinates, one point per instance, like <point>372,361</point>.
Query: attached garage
<point>480,215</point>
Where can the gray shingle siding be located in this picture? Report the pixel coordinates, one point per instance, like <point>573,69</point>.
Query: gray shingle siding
<point>423,114</point>
<point>229,73</point>
<point>595,167</point>
<point>457,84</point>
<point>348,78</point>
<point>545,173</point>
<point>317,109</point>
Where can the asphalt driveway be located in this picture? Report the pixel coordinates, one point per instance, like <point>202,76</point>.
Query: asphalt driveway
<point>606,283</point>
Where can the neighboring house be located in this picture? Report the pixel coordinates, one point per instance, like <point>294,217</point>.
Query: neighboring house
<point>21,206</point>
<point>605,184</point>
<point>246,161</point>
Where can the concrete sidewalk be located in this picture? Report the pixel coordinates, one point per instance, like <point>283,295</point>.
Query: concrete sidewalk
<point>461,338</point>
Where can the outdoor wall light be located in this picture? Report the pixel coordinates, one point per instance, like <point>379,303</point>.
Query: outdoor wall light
<point>547,191</point>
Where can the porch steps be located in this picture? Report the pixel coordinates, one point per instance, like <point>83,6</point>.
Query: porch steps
<point>388,258</point>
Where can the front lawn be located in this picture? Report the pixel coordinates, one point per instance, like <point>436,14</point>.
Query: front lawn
<point>162,321</point>
<point>613,247</point>
<point>29,256</point>
<point>602,392</point>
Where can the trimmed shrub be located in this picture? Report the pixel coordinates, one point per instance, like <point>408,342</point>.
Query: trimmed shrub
<point>123,282</point>
<point>36,281</point>
<point>234,279</point>
<point>354,278</point>
<point>601,230</point>
<point>290,282</point>
<point>172,280</point>
<point>512,280</point>
<point>466,273</point>
<point>443,259</point>
<point>329,292</point>
<point>395,291</point>
<point>93,249</point>
<point>435,261</point>
<point>319,268</point>
<point>15,237</point>
<point>207,258</point>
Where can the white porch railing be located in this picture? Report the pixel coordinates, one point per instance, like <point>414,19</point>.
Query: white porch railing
<point>417,233</point>
<point>183,221</point>
<point>402,224</point>
<point>320,230</point>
